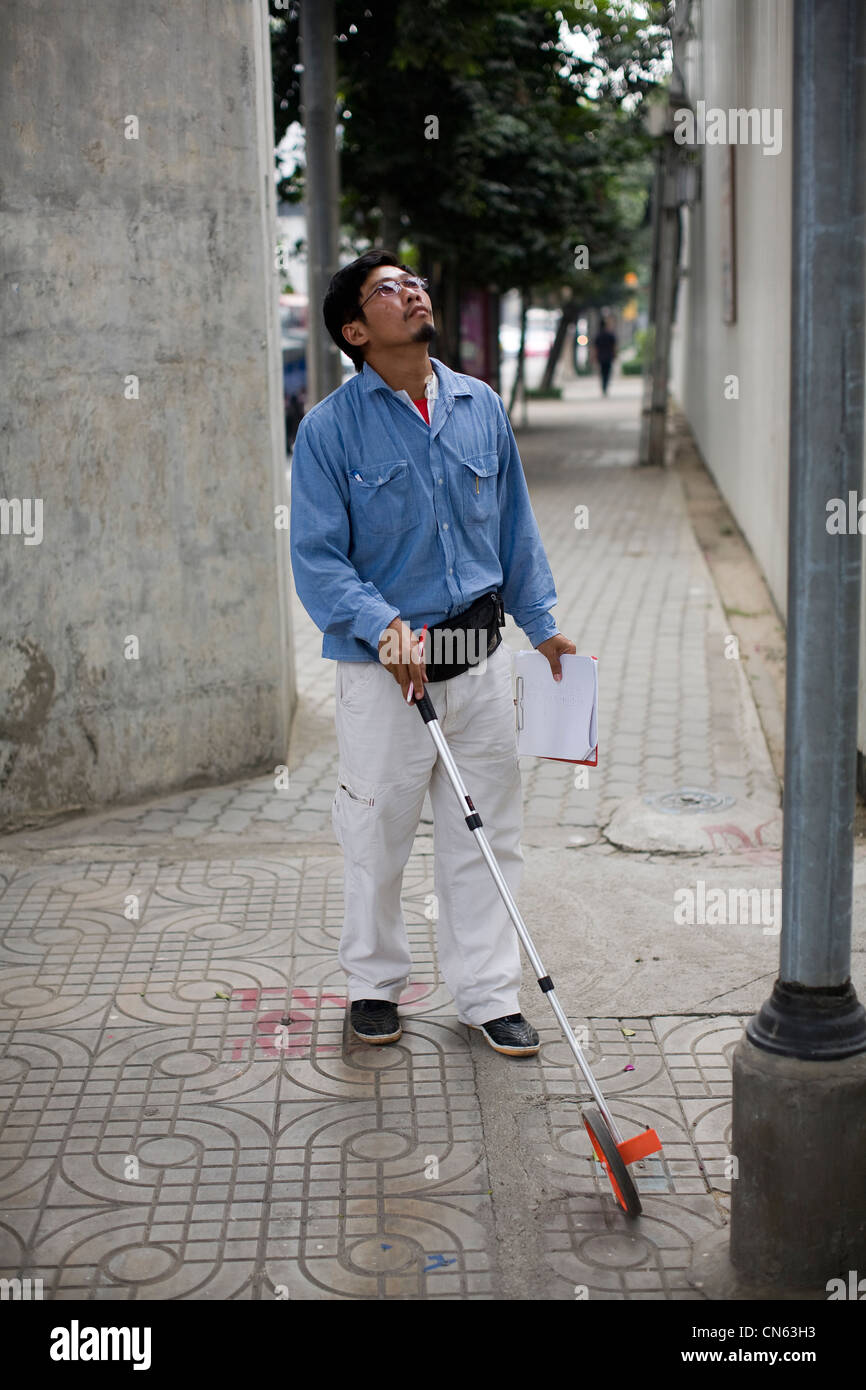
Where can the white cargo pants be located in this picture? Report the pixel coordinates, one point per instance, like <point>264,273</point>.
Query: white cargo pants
<point>387,763</point>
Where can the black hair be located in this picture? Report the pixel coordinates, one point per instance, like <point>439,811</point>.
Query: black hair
<point>341,303</point>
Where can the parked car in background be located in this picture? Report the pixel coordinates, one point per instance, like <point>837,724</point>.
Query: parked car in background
<point>294,325</point>
<point>540,333</point>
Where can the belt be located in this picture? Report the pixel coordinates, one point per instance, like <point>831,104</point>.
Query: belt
<point>452,647</point>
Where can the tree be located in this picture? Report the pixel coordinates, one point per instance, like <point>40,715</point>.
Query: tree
<point>474,129</point>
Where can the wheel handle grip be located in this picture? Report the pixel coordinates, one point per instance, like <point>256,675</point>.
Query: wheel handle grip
<point>424,705</point>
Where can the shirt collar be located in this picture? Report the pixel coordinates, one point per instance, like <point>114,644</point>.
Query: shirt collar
<point>446,383</point>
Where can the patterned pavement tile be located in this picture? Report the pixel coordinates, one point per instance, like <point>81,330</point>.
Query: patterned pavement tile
<point>597,1257</point>
<point>590,1247</point>
<point>150,1133</point>
<point>208,1126</point>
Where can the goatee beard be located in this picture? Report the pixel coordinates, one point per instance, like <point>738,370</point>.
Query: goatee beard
<point>426,332</point>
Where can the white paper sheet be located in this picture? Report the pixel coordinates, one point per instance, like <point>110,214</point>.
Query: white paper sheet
<point>556,719</point>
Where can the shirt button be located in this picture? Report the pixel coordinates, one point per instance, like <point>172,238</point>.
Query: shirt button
<point>440,480</point>
<point>450,571</point>
<point>445,526</point>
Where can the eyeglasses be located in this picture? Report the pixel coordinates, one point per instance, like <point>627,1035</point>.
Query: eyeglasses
<point>392,287</point>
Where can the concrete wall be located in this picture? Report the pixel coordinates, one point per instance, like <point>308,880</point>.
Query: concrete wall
<point>148,257</point>
<point>743,57</point>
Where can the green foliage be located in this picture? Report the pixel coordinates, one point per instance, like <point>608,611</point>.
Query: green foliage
<point>538,150</point>
<point>643,343</point>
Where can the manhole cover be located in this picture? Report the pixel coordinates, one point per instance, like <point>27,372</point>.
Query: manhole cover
<point>689,801</point>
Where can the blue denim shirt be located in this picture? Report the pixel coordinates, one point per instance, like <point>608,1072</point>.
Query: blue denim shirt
<point>391,516</point>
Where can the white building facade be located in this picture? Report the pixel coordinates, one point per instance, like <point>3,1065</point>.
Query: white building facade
<point>730,358</point>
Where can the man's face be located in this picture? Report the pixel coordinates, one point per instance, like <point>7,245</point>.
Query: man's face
<point>392,320</point>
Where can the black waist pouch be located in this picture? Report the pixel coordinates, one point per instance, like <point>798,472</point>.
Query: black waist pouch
<point>450,648</point>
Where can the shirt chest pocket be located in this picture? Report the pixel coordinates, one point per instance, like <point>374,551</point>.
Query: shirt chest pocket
<point>478,489</point>
<point>385,500</point>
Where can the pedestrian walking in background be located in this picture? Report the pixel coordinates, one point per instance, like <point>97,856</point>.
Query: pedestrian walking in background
<point>605,351</point>
<point>409,506</point>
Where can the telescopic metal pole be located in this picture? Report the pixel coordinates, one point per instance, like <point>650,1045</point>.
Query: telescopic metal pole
<point>473,820</point>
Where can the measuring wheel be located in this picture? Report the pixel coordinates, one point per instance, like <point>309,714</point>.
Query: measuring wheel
<point>611,1150</point>
<point>608,1154</point>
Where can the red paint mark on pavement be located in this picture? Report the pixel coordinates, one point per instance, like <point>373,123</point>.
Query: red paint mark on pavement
<point>728,831</point>
<point>735,839</point>
<point>412,993</point>
<point>295,1039</point>
<point>278,1039</point>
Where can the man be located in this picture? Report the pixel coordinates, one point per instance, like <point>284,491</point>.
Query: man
<point>409,506</point>
<point>605,352</point>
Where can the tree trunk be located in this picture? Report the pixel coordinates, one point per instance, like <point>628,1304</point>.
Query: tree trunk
<point>567,320</point>
<point>392,227</point>
<point>445,298</point>
<point>521,355</point>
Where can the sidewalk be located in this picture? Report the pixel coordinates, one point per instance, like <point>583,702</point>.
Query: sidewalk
<point>165,1137</point>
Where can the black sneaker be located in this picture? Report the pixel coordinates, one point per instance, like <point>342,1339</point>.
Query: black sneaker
<point>511,1035</point>
<point>375,1020</point>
